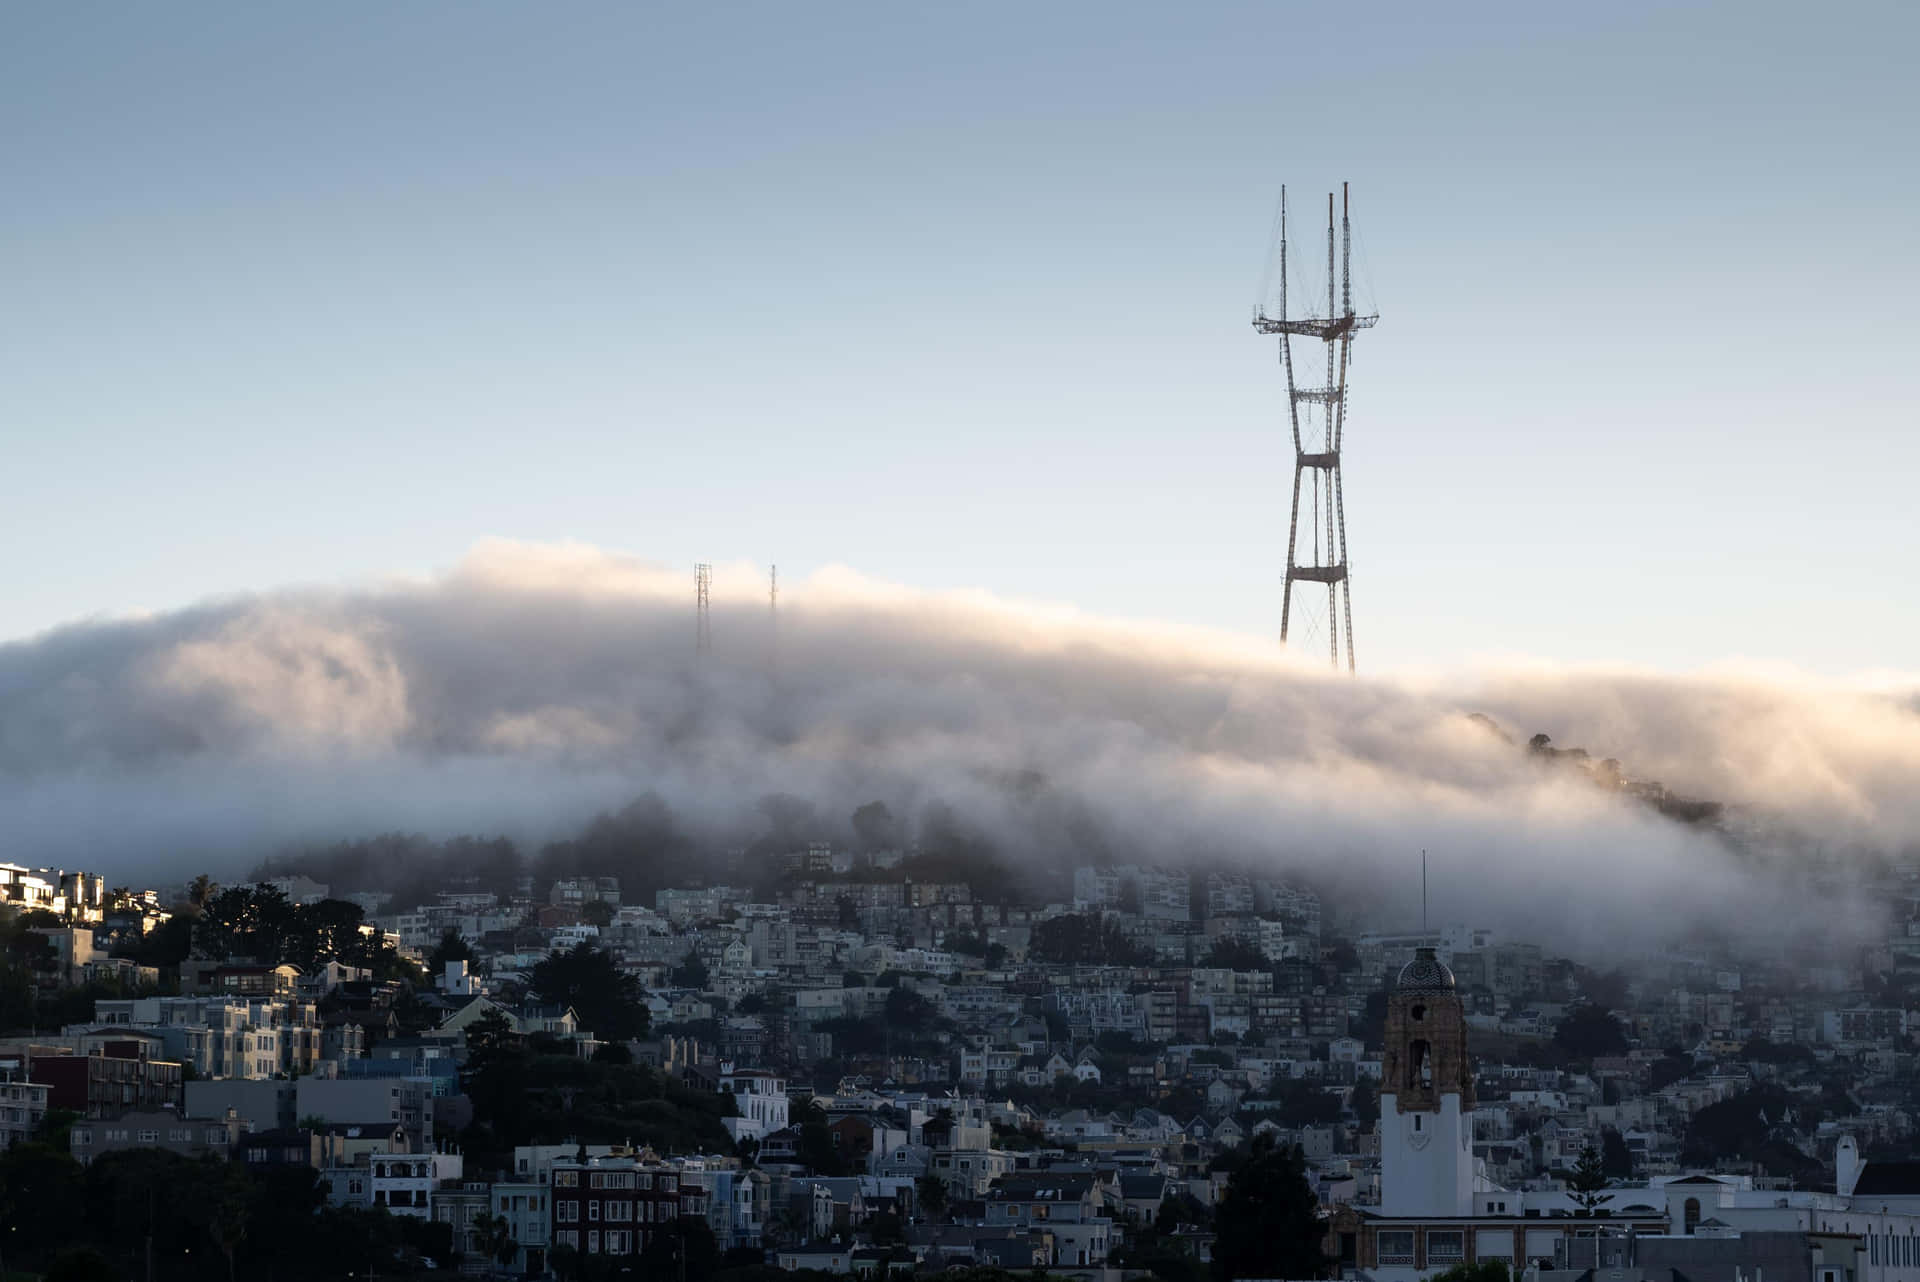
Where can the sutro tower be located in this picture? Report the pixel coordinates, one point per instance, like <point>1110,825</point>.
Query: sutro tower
<point>1318,432</point>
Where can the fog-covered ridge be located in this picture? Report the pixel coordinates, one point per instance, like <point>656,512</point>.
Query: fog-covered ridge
<point>534,684</point>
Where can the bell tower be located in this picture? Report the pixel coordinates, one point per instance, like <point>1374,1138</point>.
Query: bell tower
<point>1426,1096</point>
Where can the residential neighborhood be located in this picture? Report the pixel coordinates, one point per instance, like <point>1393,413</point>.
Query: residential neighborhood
<point>828,1062</point>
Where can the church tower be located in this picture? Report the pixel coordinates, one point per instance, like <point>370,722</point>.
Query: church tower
<point>1426,1096</point>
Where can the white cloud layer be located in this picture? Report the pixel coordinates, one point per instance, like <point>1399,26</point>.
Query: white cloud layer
<point>534,684</point>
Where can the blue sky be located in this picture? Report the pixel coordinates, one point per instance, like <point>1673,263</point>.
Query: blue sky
<point>958,295</point>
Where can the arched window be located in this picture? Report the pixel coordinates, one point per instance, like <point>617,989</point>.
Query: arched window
<point>1690,1213</point>
<point>1419,1070</point>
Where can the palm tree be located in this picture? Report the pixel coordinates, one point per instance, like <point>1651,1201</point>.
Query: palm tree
<point>496,1236</point>
<point>791,1224</point>
<point>201,889</point>
<point>228,1229</point>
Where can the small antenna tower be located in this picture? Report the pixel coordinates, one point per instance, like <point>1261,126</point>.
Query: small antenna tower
<point>703,625</point>
<point>1423,890</point>
<point>1319,431</point>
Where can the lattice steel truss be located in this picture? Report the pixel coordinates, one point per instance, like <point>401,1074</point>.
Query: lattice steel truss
<point>1319,432</point>
<point>703,625</point>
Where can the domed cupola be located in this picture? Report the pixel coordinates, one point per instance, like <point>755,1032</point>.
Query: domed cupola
<point>1426,973</point>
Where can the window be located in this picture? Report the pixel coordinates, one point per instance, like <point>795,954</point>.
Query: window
<point>149,1137</point>
<point>567,1212</point>
<point>567,1237</point>
<point>620,1211</point>
<point>1690,1213</point>
<point>593,1242</point>
<point>566,1179</point>
<point>81,1135</point>
<point>1446,1244</point>
<point>596,1180</point>
<point>593,1210</point>
<point>616,1242</point>
<point>1396,1246</point>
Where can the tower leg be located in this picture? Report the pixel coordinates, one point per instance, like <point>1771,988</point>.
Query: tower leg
<point>1293,534</point>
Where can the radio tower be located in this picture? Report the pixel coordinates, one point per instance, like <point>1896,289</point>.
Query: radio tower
<point>703,626</point>
<point>1318,433</point>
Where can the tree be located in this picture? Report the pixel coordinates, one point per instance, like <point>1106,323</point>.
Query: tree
<point>202,889</point>
<point>496,1237</point>
<point>606,998</point>
<point>1365,1101</point>
<point>930,1192</point>
<point>816,1147</point>
<point>453,946</point>
<point>1615,1157</point>
<point>1588,1179</point>
<point>683,1248</point>
<point>1229,953</point>
<point>1674,1066</point>
<point>1085,938</point>
<point>1268,1223</point>
<point>244,921</point>
<point>1590,1031</point>
<point>81,1264</point>
<point>690,973</point>
<point>908,1010</point>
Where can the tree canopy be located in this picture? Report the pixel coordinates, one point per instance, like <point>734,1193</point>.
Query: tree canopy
<point>608,1001</point>
<point>1590,1031</point>
<point>1268,1224</point>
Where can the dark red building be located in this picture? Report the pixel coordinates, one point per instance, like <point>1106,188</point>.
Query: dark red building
<point>615,1205</point>
<point>120,1076</point>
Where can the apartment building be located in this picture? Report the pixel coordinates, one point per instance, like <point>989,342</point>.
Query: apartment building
<point>614,1205</point>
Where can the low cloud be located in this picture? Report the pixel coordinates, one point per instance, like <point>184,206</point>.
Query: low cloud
<point>533,685</point>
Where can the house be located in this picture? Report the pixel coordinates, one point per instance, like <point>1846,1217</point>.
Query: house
<point>404,1183</point>
<point>759,1097</point>
<point>524,1207</point>
<point>23,1104</point>
<point>1141,1194</point>
<point>354,1143</point>
<point>1068,1206</point>
<point>614,1205</point>
<point>129,1071</point>
<point>264,1150</point>
<point>163,1128</point>
<point>820,1259</point>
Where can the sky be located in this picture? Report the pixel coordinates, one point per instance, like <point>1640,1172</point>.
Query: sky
<point>959,296</point>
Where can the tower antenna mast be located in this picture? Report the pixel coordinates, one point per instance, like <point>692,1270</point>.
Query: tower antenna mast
<point>1319,432</point>
<point>703,625</point>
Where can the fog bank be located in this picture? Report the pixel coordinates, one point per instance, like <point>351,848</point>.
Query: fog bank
<point>533,685</point>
